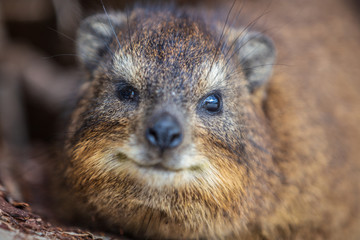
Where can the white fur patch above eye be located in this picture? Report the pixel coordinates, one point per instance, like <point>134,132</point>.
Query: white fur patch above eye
<point>124,66</point>
<point>213,77</point>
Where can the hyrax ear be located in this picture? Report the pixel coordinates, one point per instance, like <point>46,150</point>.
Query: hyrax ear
<point>94,36</point>
<point>257,55</point>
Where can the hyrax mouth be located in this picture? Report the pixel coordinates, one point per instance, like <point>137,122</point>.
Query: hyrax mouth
<point>161,166</point>
<point>164,175</point>
<point>161,144</point>
<point>138,157</point>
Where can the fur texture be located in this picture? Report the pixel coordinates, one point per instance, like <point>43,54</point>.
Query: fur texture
<point>255,170</point>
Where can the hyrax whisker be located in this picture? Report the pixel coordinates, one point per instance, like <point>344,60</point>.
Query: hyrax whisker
<point>110,24</point>
<point>220,39</point>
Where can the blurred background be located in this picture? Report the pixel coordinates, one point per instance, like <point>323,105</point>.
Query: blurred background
<point>39,78</point>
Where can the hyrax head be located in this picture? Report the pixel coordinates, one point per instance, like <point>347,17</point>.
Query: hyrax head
<point>166,140</point>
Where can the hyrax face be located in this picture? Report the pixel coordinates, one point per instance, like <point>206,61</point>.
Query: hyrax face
<point>166,141</point>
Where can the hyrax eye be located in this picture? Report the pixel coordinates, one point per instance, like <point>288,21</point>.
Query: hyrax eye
<point>126,92</point>
<point>212,103</point>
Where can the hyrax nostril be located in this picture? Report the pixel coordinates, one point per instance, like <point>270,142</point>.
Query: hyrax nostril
<point>165,132</point>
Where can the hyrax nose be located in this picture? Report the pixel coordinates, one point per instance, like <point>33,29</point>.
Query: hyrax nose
<point>165,132</point>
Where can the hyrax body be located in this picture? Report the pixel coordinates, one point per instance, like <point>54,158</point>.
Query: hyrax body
<point>175,137</point>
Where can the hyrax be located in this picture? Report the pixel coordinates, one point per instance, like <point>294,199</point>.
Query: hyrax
<point>176,136</point>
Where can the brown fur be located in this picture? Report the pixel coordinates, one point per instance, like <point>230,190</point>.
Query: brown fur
<point>283,168</point>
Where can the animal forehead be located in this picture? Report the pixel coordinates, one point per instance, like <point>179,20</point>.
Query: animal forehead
<point>165,37</point>
<point>167,51</point>
<point>170,78</point>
